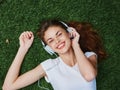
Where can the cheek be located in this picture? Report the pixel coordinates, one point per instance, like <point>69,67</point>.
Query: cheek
<point>52,45</point>
<point>69,43</point>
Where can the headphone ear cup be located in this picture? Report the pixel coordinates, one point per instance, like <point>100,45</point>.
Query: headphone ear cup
<point>69,29</point>
<point>49,50</point>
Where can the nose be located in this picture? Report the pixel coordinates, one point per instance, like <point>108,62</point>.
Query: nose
<point>57,40</point>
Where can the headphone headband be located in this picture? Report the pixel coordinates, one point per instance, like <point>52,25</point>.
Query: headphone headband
<point>64,24</point>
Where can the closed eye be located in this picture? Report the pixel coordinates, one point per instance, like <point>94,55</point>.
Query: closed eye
<point>50,41</point>
<point>59,34</point>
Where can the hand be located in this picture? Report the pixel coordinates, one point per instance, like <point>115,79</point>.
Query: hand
<point>26,39</point>
<point>75,35</point>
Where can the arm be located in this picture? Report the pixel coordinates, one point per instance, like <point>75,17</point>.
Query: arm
<point>87,66</point>
<point>13,81</point>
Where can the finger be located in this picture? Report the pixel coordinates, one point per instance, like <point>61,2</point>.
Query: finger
<point>74,30</point>
<point>74,34</point>
<point>26,34</point>
<point>30,33</point>
<point>21,36</point>
<point>31,36</point>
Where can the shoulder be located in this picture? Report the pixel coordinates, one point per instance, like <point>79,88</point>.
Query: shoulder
<point>49,63</point>
<point>92,57</point>
<point>90,53</point>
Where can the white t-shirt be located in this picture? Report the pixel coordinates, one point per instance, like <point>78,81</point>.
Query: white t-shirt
<point>64,77</point>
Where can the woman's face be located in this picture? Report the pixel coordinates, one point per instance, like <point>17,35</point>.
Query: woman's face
<point>58,39</point>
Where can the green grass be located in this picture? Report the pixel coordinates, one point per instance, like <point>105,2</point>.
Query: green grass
<point>17,16</point>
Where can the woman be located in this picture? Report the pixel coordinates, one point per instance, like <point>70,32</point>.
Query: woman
<point>75,68</point>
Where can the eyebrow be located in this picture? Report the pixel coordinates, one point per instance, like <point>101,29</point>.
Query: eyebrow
<point>55,34</point>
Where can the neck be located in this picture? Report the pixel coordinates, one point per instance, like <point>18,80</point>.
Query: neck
<point>69,57</point>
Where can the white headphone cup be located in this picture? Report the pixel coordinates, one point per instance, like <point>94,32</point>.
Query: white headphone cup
<point>49,50</point>
<point>69,29</point>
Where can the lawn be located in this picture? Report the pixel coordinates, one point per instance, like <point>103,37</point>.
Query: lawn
<point>17,16</point>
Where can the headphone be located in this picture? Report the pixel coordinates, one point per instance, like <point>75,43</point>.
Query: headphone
<point>47,48</point>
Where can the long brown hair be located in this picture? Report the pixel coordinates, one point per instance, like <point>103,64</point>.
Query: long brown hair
<point>89,38</point>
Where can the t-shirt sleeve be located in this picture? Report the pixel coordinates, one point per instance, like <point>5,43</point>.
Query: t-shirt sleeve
<point>88,54</point>
<point>47,66</point>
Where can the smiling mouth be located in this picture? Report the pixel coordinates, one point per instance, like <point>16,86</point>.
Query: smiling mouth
<point>61,45</point>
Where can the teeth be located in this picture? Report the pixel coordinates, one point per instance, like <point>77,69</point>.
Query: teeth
<point>60,45</point>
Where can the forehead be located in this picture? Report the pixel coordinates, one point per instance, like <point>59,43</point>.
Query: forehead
<point>51,31</point>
